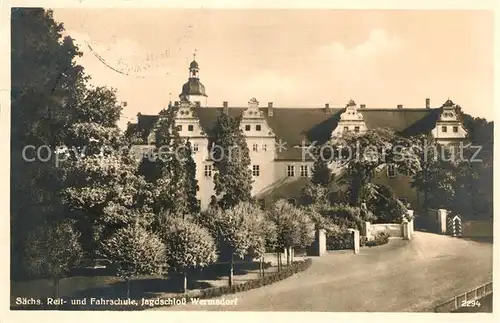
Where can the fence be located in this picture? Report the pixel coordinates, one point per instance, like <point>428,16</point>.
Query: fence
<point>457,301</point>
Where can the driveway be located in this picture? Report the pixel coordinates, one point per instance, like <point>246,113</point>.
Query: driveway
<point>413,276</point>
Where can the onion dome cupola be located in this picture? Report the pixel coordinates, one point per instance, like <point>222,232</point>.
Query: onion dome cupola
<point>193,87</point>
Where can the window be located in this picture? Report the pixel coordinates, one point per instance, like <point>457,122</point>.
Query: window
<point>304,171</point>
<point>258,127</point>
<point>208,170</point>
<point>255,147</point>
<point>391,170</point>
<point>179,128</point>
<point>290,170</point>
<point>190,127</point>
<point>255,170</point>
<point>356,129</point>
<point>455,129</point>
<point>247,127</point>
<point>264,147</point>
<point>444,128</point>
<point>196,147</point>
<point>346,129</point>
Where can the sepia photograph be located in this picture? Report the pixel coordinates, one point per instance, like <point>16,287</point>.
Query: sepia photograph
<point>258,160</point>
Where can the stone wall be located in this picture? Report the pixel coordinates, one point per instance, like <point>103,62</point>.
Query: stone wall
<point>403,230</point>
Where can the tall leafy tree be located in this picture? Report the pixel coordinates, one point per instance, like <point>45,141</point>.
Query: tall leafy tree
<point>187,246</point>
<point>241,229</point>
<point>172,170</point>
<point>233,177</point>
<point>436,175</point>
<point>363,154</point>
<point>192,188</point>
<point>135,251</point>
<point>52,251</point>
<point>45,84</point>
<point>295,227</point>
<point>102,187</point>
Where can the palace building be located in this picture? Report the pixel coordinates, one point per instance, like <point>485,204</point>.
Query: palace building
<point>276,136</point>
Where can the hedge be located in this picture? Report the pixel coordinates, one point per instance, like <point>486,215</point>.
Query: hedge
<point>339,240</point>
<point>343,240</point>
<point>380,238</point>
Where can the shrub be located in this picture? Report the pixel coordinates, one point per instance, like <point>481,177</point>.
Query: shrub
<point>386,206</point>
<point>346,216</point>
<point>339,240</point>
<point>380,238</point>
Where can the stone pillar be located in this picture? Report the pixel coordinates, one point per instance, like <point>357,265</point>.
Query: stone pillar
<point>441,220</point>
<point>406,231</point>
<point>318,248</point>
<point>411,222</point>
<point>355,236</point>
<point>321,238</point>
<point>366,230</point>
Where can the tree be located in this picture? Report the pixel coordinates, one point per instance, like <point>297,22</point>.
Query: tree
<point>172,170</point>
<point>233,177</point>
<point>294,226</point>
<point>192,188</point>
<point>386,206</point>
<point>52,251</point>
<point>436,175</point>
<point>187,246</point>
<point>102,186</point>
<point>321,174</point>
<point>474,196</point>
<point>45,83</point>
<point>241,229</point>
<point>135,251</point>
<point>363,154</point>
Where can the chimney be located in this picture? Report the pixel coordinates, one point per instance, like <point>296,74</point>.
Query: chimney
<point>327,108</point>
<point>400,106</point>
<point>269,109</point>
<point>427,103</point>
<point>226,108</point>
<point>362,106</point>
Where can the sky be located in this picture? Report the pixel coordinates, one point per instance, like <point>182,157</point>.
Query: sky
<point>294,58</point>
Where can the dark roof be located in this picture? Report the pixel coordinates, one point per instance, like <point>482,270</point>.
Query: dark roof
<point>194,64</point>
<point>193,87</point>
<point>295,125</point>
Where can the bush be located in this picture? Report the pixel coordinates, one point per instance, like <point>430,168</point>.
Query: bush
<point>386,206</point>
<point>340,240</point>
<point>346,216</point>
<point>380,238</point>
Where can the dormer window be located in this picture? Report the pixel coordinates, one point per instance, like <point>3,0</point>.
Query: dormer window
<point>258,127</point>
<point>444,129</point>
<point>247,127</point>
<point>455,128</point>
<point>190,127</point>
